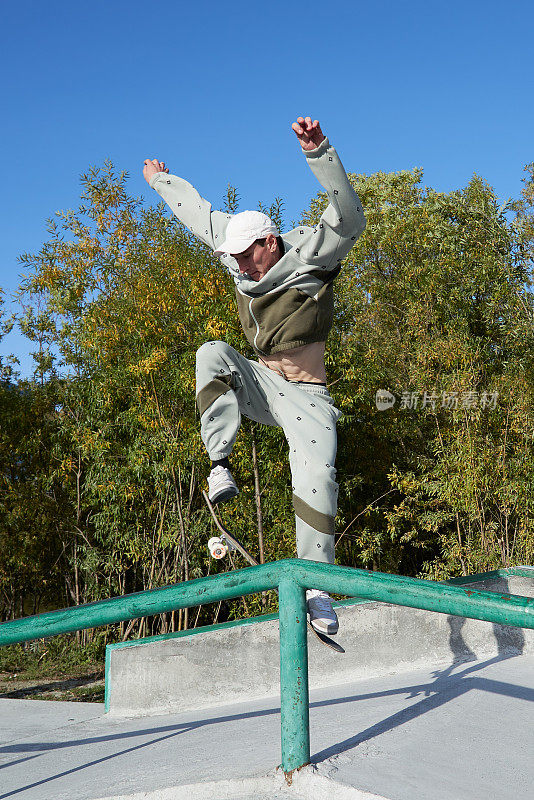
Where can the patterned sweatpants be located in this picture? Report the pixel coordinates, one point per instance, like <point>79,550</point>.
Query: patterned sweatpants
<point>229,385</point>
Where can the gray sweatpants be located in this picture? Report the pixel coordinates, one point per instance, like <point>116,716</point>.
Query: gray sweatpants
<point>229,385</point>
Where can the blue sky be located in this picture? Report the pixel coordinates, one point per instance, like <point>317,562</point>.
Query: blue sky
<point>212,89</point>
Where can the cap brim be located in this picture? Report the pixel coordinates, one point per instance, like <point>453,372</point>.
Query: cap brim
<point>234,246</point>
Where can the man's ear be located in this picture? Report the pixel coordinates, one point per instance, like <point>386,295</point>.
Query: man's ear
<point>271,241</point>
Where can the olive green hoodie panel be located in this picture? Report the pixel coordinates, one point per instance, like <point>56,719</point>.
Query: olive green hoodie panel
<point>282,321</point>
<point>276,322</point>
<point>247,321</point>
<point>325,311</point>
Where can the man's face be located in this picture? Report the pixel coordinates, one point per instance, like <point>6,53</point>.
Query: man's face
<point>258,259</point>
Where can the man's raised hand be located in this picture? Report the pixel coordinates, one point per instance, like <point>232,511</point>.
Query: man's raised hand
<point>151,167</point>
<point>308,133</point>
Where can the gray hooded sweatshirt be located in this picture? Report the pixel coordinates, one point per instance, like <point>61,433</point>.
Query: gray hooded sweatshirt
<point>293,304</point>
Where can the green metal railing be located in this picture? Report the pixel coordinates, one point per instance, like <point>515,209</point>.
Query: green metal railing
<point>291,577</point>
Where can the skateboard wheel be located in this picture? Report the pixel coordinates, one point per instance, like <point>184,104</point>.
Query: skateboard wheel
<point>218,549</point>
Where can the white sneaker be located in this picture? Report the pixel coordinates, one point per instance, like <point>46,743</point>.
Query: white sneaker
<point>322,616</point>
<point>221,485</point>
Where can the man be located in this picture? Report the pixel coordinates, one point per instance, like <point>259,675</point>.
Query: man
<point>284,289</point>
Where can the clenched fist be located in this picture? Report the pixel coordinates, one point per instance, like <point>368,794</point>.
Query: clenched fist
<point>308,133</point>
<point>151,167</point>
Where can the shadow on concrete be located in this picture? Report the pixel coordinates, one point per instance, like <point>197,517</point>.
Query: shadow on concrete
<point>63,774</point>
<point>510,640</point>
<point>459,647</point>
<point>20,761</point>
<point>444,688</point>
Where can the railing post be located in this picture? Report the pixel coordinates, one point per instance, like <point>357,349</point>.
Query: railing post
<point>294,695</point>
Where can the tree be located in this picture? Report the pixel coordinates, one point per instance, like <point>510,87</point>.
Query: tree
<point>435,307</point>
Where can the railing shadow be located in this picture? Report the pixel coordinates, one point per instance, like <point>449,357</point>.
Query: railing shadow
<point>445,687</point>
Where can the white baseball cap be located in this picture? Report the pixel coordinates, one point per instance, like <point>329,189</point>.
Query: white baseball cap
<point>245,228</point>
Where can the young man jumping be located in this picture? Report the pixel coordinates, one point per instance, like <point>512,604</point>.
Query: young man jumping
<point>284,289</point>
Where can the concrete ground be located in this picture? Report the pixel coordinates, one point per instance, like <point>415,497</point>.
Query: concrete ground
<point>462,732</point>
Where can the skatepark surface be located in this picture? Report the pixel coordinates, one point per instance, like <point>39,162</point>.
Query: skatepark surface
<point>438,733</point>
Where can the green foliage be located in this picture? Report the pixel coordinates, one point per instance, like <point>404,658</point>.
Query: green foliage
<point>127,296</point>
<point>7,364</point>
<point>32,517</point>
<point>54,657</point>
<point>435,300</point>
<point>102,460</point>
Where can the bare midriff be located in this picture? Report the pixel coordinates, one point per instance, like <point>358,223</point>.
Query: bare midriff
<point>304,363</point>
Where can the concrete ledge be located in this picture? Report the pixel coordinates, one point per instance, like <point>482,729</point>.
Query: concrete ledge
<point>240,661</point>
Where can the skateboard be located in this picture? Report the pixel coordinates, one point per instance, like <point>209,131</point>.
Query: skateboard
<point>219,547</point>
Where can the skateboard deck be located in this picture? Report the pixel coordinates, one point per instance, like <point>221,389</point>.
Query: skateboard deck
<point>233,543</point>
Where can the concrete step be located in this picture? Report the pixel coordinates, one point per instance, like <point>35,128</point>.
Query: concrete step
<point>239,661</point>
